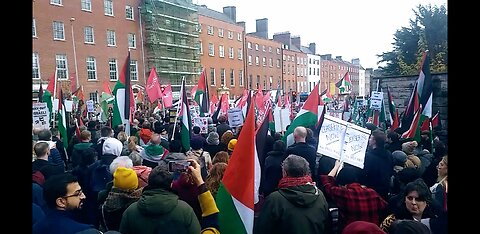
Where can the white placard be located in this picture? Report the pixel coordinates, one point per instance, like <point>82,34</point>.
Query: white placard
<point>376,100</point>
<point>41,115</point>
<point>330,139</point>
<point>68,105</point>
<point>202,122</point>
<point>90,106</point>
<point>235,117</point>
<point>343,141</point>
<point>55,105</point>
<point>281,117</point>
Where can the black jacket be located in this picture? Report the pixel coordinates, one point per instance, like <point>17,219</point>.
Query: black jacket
<point>305,151</point>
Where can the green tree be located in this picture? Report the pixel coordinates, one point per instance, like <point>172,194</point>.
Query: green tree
<point>428,31</point>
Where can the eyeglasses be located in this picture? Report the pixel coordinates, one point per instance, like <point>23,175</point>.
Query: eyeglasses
<point>410,198</point>
<point>77,193</point>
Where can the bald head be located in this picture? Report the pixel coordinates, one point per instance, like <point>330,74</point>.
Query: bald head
<point>300,134</point>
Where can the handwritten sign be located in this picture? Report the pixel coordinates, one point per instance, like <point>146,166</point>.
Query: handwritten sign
<point>376,100</point>
<point>344,141</point>
<point>41,115</point>
<point>235,117</point>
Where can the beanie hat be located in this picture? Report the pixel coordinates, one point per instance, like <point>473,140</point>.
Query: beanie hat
<point>125,179</point>
<point>362,227</point>
<point>399,158</point>
<point>212,138</point>
<point>408,147</point>
<point>196,143</point>
<point>231,144</point>
<point>112,146</point>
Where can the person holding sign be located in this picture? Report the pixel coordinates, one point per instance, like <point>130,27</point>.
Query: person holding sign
<point>355,202</point>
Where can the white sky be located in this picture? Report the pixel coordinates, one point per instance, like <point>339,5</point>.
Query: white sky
<point>347,28</point>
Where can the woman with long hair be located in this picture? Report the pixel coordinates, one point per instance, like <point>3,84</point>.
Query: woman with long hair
<point>215,177</point>
<point>440,189</point>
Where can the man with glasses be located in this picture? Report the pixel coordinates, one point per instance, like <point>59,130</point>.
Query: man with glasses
<point>63,196</point>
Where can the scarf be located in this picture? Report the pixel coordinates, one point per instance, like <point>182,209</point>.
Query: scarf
<point>121,199</point>
<point>288,181</point>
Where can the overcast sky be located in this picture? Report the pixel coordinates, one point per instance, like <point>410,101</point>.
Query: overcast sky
<point>347,28</point>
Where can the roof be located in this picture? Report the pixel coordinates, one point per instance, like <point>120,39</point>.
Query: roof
<point>203,10</point>
<point>305,50</point>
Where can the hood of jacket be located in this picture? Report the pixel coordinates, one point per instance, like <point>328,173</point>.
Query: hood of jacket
<point>157,201</point>
<point>302,195</point>
<point>153,153</point>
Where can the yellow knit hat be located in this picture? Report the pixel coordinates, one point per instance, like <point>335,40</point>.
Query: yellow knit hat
<point>125,178</point>
<point>231,144</point>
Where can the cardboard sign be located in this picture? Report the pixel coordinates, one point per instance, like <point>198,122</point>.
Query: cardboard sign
<point>41,115</point>
<point>235,117</point>
<point>281,117</point>
<point>344,141</point>
<point>376,100</point>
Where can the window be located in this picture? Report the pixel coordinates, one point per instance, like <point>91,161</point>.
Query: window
<point>200,49</point>
<point>278,50</point>
<point>131,41</point>
<point>263,48</point>
<point>240,78</point>
<point>94,97</point>
<point>212,76</point>
<point>250,81</point>
<point>230,53</point>
<point>256,46</point>
<point>270,49</point>
<point>87,5</point>
<point>310,71</point>
<point>129,12</point>
<point>249,45</point>
<point>230,35</point>
<point>112,67</point>
<point>211,49</point>
<point>210,30</point>
<point>249,60</point>
<point>35,66</point>
<point>56,2</point>
<point>58,31</point>
<point>264,61</point>
<point>111,38</point>
<point>270,62</point>
<point>89,38</point>
<point>198,27</point>
<point>91,68</point>
<point>232,78</point>
<point>61,62</point>
<point>278,62</point>
<point>34,29</point>
<point>318,71</point>
<point>258,81</point>
<point>221,51</point>
<point>222,77</point>
<point>220,32</point>
<point>239,36</point>
<point>256,61</point>
<point>133,70</point>
<point>240,54</point>
<point>108,7</point>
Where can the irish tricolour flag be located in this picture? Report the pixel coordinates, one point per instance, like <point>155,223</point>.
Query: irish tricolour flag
<point>307,117</point>
<point>238,190</point>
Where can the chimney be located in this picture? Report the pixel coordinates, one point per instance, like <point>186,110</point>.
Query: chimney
<point>231,12</point>
<point>339,58</point>
<point>356,61</point>
<point>284,38</point>
<point>242,24</point>
<point>312,46</point>
<point>262,28</point>
<point>296,41</point>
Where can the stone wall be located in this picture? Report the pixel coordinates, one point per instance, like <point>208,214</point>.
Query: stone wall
<point>401,88</point>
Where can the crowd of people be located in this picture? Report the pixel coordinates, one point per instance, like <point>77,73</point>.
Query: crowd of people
<point>105,181</point>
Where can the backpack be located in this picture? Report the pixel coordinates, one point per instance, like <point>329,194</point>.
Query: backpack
<point>100,177</point>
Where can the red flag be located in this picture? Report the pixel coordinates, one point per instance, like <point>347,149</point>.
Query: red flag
<point>213,103</point>
<point>167,97</point>
<point>106,87</point>
<point>51,84</point>
<point>243,100</point>
<point>425,125</point>
<point>153,86</point>
<point>225,105</point>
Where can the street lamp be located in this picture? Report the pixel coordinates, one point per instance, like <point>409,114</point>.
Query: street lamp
<point>74,52</point>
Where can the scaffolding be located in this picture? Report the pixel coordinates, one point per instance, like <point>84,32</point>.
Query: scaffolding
<point>171,40</point>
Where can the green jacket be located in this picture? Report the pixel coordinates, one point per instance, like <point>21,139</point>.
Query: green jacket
<point>159,211</point>
<point>298,209</point>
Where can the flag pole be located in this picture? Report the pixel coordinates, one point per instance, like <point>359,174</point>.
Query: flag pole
<point>178,107</point>
<point>54,94</point>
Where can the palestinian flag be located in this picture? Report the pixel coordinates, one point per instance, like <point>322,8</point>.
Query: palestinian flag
<point>344,85</point>
<point>307,117</point>
<point>124,101</point>
<point>425,91</point>
<point>326,96</point>
<point>47,94</point>
<point>62,122</point>
<point>412,131</point>
<point>394,120</point>
<point>410,109</point>
<point>238,191</point>
<point>201,94</point>
<point>185,118</point>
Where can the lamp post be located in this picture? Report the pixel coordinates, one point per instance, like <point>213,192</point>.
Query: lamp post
<point>74,52</point>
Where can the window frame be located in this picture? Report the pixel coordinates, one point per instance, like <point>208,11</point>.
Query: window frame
<point>127,7</point>
<point>90,70</point>
<point>58,30</point>
<point>113,61</point>
<point>34,28</point>
<point>133,70</point>
<point>86,36</point>
<point>58,62</point>
<point>84,4</point>
<point>105,7</point>
<point>36,65</point>
<point>131,37</point>
<point>114,37</point>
